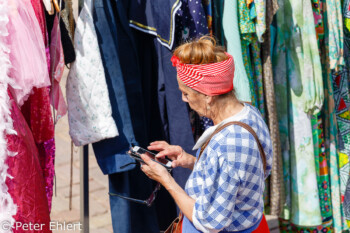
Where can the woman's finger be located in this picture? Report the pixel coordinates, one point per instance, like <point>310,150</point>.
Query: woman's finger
<point>145,158</point>
<point>163,153</point>
<point>174,164</point>
<point>159,143</point>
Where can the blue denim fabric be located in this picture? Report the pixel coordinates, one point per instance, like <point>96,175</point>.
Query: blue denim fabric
<point>130,217</point>
<point>124,86</point>
<point>110,153</point>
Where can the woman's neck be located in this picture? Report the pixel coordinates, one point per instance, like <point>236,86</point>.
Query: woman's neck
<point>222,112</point>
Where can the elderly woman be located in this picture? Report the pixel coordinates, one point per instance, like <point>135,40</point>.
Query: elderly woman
<point>224,192</point>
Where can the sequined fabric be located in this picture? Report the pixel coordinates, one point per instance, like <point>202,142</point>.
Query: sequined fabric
<point>28,194</point>
<point>277,197</point>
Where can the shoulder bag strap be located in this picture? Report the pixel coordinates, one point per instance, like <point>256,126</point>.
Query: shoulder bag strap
<point>245,126</point>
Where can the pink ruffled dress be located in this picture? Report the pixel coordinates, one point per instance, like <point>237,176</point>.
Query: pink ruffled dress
<point>28,58</point>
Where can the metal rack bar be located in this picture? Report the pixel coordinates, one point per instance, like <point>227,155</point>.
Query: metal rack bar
<point>84,179</point>
<point>84,189</point>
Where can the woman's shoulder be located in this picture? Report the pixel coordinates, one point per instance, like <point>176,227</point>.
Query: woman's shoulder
<point>238,137</point>
<point>252,118</point>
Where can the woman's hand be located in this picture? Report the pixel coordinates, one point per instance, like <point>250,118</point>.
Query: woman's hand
<point>159,173</point>
<point>179,157</point>
<point>154,170</point>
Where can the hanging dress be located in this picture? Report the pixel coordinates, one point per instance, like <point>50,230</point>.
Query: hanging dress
<point>299,93</point>
<point>231,31</point>
<point>37,112</point>
<point>89,108</point>
<point>27,187</point>
<point>27,47</point>
<point>7,207</point>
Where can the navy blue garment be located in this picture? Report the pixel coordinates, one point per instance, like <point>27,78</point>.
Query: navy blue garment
<point>206,123</point>
<point>131,217</point>
<point>175,111</point>
<point>157,130</point>
<point>191,20</point>
<point>111,153</point>
<point>156,17</point>
<point>150,16</point>
<point>124,85</point>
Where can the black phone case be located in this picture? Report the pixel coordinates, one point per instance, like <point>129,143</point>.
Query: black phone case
<point>137,157</point>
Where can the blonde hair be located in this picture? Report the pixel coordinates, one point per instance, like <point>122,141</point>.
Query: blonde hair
<point>200,51</point>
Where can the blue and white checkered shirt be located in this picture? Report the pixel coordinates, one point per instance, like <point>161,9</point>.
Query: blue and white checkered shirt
<point>227,181</point>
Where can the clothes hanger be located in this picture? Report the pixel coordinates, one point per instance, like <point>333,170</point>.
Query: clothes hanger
<point>48,6</point>
<point>57,7</point>
<point>51,6</point>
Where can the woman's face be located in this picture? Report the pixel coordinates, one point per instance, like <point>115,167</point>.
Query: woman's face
<point>195,99</point>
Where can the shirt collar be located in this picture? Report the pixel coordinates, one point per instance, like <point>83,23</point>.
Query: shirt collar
<point>208,132</point>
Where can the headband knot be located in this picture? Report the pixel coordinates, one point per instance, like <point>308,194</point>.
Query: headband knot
<point>175,60</point>
<point>210,79</point>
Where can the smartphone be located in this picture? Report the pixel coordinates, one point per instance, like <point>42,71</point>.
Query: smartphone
<point>136,151</point>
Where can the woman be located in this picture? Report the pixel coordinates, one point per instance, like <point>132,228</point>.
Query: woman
<point>224,192</point>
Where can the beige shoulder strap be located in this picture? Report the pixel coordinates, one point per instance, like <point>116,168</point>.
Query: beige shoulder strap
<point>248,128</point>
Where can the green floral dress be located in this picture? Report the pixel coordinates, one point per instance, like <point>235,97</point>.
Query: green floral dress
<point>299,95</point>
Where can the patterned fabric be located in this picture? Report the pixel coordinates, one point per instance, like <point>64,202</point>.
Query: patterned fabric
<point>231,31</point>
<point>56,73</point>
<point>255,50</point>
<point>207,4</point>
<point>346,14</point>
<point>299,92</point>
<point>342,108</point>
<point>323,184</point>
<point>331,133</point>
<point>286,227</point>
<point>209,79</point>
<point>335,28</point>
<point>322,168</point>
<point>27,185</point>
<point>206,123</point>
<point>227,181</point>
<point>346,203</point>
<point>316,7</point>
<point>190,21</point>
<point>246,24</point>
<point>260,25</point>
<point>249,70</point>
<point>8,207</point>
<point>90,113</point>
<point>276,198</point>
<point>38,114</point>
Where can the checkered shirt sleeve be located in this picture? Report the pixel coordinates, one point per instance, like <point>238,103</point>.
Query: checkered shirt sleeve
<point>228,180</point>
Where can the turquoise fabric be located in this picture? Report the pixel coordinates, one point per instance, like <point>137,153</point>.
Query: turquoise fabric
<point>231,31</point>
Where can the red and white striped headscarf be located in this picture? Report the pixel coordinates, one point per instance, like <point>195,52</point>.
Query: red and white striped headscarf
<point>210,79</point>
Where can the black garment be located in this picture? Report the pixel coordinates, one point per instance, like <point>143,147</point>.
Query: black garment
<point>127,216</point>
<point>156,128</point>
<point>67,43</point>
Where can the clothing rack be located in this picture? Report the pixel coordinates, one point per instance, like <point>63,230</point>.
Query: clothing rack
<point>84,177</point>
